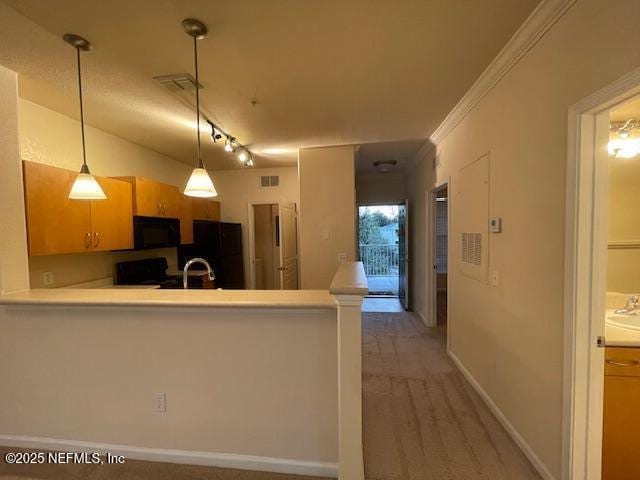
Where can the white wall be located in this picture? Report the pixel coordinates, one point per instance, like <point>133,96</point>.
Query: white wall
<point>238,188</point>
<point>510,337</point>
<point>252,382</point>
<point>380,188</point>
<point>327,212</point>
<point>13,251</point>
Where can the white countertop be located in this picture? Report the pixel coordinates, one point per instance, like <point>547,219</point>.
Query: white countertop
<point>621,337</point>
<point>174,298</point>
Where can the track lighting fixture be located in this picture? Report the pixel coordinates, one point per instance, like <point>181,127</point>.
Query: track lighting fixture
<point>243,156</point>
<point>231,144</point>
<point>199,183</point>
<point>85,187</point>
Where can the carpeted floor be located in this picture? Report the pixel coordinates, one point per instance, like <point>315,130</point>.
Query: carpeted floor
<point>422,419</point>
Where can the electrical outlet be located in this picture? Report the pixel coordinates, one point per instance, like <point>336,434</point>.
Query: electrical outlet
<point>342,257</point>
<point>160,402</point>
<point>47,279</point>
<point>494,278</point>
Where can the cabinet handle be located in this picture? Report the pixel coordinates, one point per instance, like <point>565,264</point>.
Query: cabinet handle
<point>96,239</point>
<point>624,363</point>
<point>159,207</point>
<point>87,240</point>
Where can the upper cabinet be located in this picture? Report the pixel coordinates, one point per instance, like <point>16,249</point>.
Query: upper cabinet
<point>186,220</point>
<point>154,199</point>
<point>58,225</point>
<point>204,209</point>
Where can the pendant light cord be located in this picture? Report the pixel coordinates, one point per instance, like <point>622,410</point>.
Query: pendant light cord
<point>84,153</point>
<point>200,164</point>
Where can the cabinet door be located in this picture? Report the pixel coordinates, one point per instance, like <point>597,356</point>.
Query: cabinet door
<point>171,201</point>
<point>206,209</point>
<point>621,422</point>
<point>147,194</point>
<point>55,224</point>
<point>112,219</point>
<point>186,221</point>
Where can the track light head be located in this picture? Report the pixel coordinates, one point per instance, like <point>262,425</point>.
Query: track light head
<point>228,145</point>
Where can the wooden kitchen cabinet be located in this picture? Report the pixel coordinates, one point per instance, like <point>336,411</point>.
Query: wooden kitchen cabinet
<point>56,224</point>
<point>204,209</point>
<point>621,421</point>
<point>186,220</point>
<point>154,199</point>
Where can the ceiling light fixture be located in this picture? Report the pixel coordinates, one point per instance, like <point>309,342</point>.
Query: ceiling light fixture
<point>231,144</point>
<point>85,187</point>
<point>625,146</point>
<point>249,162</point>
<point>199,183</point>
<point>385,166</point>
<point>228,145</point>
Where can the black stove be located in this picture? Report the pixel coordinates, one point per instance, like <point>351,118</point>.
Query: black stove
<point>149,271</point>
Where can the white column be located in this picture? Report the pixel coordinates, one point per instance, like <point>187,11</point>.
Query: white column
<point>14,264</point>
<point>351,464</point>
<point>349,286</point>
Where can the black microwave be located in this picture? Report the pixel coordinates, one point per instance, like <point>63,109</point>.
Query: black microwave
<point>154,232</point>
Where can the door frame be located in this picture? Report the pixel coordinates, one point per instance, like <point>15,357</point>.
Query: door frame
<point>585,275</point>
<point>431,283</point>
<point>252,239</point>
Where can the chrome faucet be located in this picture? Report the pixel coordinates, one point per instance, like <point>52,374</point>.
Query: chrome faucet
<point>631,307</point>
<point>185,273</point>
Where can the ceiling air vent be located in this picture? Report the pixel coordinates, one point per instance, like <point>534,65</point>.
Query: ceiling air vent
<point>266,181</point>
<point>177,81</point>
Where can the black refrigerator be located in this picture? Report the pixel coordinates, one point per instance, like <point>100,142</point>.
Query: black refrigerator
<point>220,244</point>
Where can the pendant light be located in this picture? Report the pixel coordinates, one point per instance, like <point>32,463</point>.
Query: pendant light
<point>85,186</point>
<point>199,184</point>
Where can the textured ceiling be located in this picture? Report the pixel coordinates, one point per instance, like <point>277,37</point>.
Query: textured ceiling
<point>326,72</point>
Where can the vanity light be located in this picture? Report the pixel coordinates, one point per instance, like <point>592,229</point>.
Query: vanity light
<point>85,187</point>
<point>625,146</point>
<point>199,184</point>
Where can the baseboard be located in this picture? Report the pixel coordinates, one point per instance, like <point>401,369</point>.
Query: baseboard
<point>511,430</point>
<point>209,459</point>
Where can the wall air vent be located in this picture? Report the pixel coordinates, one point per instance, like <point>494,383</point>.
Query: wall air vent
<point>471,248</point>
<point>266,181</point>
<point>177,81</point>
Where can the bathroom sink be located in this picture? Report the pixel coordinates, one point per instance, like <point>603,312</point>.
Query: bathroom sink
<point>625,321</point>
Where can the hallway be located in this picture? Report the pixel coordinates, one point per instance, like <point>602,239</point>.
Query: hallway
<point>422,419</point>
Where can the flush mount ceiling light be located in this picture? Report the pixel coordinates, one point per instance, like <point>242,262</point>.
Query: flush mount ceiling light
<point>85,187</point>
<point>199,183</point>
<point>385,166</point>
<point>624,144</point>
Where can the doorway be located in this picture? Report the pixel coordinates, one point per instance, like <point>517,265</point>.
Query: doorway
<point>273,246</point>
<point>440,242</point>
<point>594,243</point>
<point>382,249</point>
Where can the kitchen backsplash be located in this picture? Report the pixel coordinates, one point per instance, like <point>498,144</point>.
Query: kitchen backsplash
<point>86,267</point>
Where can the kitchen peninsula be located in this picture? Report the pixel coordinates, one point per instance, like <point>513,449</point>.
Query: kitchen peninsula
<point>263,380</point>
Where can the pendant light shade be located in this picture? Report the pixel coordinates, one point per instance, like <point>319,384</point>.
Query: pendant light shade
<point>199,183</point>
<point>85,187</point>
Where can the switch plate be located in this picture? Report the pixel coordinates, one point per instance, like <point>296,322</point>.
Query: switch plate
<point>47,279</point>
<point>495,277</point>
<point>495,224</point>
<point>160,402</point>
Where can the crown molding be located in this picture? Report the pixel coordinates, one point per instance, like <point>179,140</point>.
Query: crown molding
<point>535,26</point>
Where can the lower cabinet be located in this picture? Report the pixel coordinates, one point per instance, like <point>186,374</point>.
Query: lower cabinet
<point>56,224</point>
<point>621,427</point>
